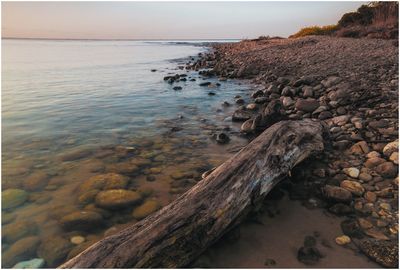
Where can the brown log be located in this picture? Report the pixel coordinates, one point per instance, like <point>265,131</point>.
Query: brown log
<point>182,230</point>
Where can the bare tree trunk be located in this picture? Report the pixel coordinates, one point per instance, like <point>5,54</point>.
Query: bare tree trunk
<point>182,230</point>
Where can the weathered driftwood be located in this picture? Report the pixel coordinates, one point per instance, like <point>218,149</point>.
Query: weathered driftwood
<point>182,230</point>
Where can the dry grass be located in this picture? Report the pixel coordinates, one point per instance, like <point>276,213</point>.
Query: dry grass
<point>315,30</point>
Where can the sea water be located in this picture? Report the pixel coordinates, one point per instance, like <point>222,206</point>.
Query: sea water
<point>77,109</point>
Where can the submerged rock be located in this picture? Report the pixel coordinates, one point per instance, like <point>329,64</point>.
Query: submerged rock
<point>117,198</point>
<point>11,198</point>
<point>104,182</point>
<point>17,230</point>
<point>54,249</point>
<point>82,220</point>
<point>36,181</point>
<point>31,264</point>
<point>337,194</point>
<point>21,250</point>
<point>222,138</point>
<point>146,209</point>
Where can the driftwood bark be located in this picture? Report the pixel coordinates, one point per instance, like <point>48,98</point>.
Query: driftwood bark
<point>182,230</point>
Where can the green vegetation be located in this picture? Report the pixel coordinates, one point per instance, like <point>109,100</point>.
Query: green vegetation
<point>315,30</point>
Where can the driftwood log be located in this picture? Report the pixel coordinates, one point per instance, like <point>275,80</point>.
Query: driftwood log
<point>178,233</point>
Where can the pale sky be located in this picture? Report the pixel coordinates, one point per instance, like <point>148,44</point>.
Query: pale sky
<point>165,20</point>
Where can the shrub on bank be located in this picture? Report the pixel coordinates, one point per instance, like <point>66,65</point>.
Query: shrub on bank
<point>315,30</point>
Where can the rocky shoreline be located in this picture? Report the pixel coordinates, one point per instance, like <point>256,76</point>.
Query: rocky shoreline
<point>352,86</point>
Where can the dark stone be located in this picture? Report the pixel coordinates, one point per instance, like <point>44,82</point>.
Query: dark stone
<point>240,101</point>
<point>309,255</point>
<point>222,138</point>
<point>241,115</point>
<point>177,88</point>
<point>325,115</point>
<point>307,105</point>
<point>341,209</point>
<point>351,228</point>
<point>205,83</point>
<point>211,93</point>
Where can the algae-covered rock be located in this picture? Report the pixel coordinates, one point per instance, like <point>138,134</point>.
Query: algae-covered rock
<point>104,181</point>
<point>88,197</point>
<point>82,220</point>
<point>23,249</point>
<point>17,230</point>
<point>54,249</point>
<point>146,209</point>
<point>117,198</point>
<point>7,217</point>
<point>11,198</point>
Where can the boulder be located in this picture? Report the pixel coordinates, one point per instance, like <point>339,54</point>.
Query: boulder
<point>117,198</point>
<point>11,198</point>
<point>307,105</point>
<point>82,220</point>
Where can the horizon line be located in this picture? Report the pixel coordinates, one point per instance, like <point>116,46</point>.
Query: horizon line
<point>121,39</point>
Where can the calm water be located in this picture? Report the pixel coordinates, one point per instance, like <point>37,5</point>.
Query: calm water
<point>74,110</point>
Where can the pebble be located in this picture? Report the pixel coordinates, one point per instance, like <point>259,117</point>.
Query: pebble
<point>353,186</point>
<point>342,240</point>
<point>76,240</point>
<point>31,264</point>
<point>352,172</point>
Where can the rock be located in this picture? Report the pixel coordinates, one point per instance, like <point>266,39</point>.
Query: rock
<point>387,170</point>
<point>239,101</point>
<point>176,88</point>
<point>241,115</point>
<point>257,94</point>
<point>374,233</point>
<point>373,154</point>
<point>308,255</point>
<point>105,182</point>
<point>342,240</point>
<point>117,198</point>
<point>11,198</point>
<point>82,220</point>
<point>88,197</point>
<point>251,106</point>
<point>341,209</point>
<point>337,194</point>
<point>7,217</point>
<point>222,138</point>
<point>307,105</point>
<point>352,172</point>
<point>17,230</point>
<point>370,196</point>
<point>247,126</point>
<point>330,81</point>
<point>394,157</point>
<point>287,102</point>
<point>77,240</point>
<point>211,93</point>
<point>145,209</point>
<point>390,148</point>
<point>325,115</point>
<point>54,249</point>
<point>31,264</point>
<point>23,249</point>
<point>360,148</point>
<point>76,154</point>
<point>36,181</point>
<point>353,186</point>
<point>308,91</point>
<point>373,162</point>
<point>340,120</point>
<point>205,84</point>
<point>384,253</point>
<point>351,228</point>
<point>261,100</point>
<point>365,177</point>
<point>364,224</point>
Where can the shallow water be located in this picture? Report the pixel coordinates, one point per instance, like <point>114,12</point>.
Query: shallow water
<point>72,110</point>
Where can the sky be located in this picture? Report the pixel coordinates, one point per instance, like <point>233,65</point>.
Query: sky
<point>165,20</point>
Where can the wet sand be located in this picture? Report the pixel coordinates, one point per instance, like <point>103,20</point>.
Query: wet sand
<point>279,238</point>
